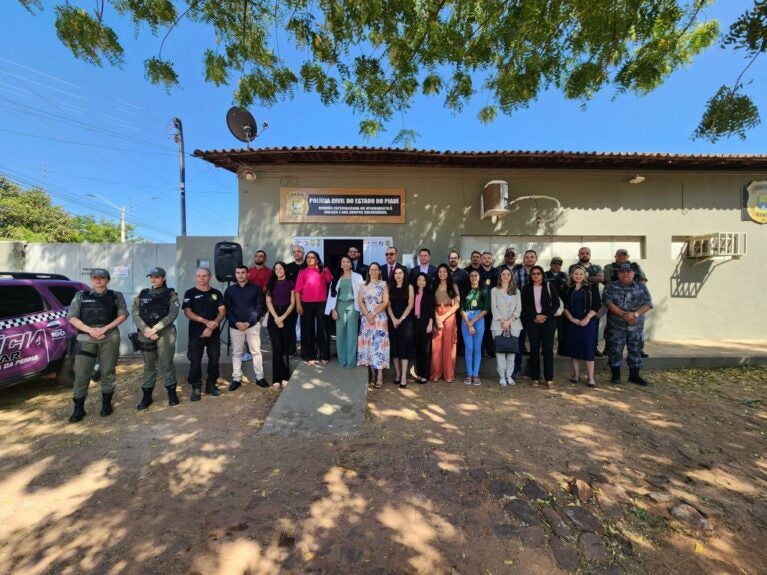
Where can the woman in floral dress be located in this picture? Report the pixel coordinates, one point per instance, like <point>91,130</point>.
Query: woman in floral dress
<point>373,341</point>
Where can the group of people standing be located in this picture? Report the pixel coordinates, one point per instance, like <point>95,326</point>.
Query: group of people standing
<point>415,320</point>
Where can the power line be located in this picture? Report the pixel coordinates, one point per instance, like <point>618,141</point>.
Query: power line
<point>41,113</point>
<point>74,199</point>
<point>73,142</point>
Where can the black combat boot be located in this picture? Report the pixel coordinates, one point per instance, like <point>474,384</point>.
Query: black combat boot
<point>172,397</point>
<point>195,393</point>
<point>146,401</point>
<point>106,404</point>
<point>79,412</point>
<point>616,378</point>
<point>634,376</point>
<point>211,389</point>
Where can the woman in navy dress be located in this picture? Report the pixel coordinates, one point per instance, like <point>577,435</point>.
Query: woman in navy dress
<point>582,304</point>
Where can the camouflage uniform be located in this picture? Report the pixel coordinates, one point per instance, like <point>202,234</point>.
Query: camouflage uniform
<point>628,297</point>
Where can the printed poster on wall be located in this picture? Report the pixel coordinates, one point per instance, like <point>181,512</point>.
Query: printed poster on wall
<point>352,205</point>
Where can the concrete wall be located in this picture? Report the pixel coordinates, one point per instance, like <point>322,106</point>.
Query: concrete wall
<point>710,300</point>
<point>189,252</point>
<point>127,263</point>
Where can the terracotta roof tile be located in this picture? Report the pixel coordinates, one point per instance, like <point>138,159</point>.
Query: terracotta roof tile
<point>232,159</point>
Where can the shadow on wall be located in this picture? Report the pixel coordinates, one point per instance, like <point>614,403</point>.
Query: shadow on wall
<point>688,279</point>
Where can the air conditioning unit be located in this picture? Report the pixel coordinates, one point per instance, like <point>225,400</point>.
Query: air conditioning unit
<point>718,244</point>
<point>493,203</point>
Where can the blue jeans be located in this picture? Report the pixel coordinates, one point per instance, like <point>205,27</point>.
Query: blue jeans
<point>473,343</point>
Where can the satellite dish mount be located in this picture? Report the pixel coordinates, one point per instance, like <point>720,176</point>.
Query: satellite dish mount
<point>243,125</point>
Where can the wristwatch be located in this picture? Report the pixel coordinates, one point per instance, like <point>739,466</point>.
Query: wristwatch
<point>636,314</point>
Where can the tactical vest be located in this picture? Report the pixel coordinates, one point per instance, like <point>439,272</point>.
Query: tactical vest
<point>154,306</point>
<point>98,310</point>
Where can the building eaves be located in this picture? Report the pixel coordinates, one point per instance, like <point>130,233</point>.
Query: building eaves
<point>233,159</point>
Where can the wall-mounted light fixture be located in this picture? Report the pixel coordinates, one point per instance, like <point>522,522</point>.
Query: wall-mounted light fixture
<point>248,174</point>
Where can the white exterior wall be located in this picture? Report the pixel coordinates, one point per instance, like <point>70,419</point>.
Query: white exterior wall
<point>711,300</point>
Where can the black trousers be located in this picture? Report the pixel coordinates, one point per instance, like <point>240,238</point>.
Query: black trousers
<point>280,338</point>
<point>541,337</point>
<point>314,336</point>
<point>197,346</point>
<point>290,325</point>
<point>422,342</point>
<point>518,356</point>
<point>488,343</point>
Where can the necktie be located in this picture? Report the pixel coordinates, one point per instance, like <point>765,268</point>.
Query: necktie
<point>390,270</point>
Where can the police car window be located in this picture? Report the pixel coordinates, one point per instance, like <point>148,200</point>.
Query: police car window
<point>65,294</point>
<point>20,300</point>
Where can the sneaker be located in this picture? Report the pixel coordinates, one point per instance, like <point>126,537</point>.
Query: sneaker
<point>246,356</point>
<point>477,381</point>
<point>502,382</point>
<point>467,381</point>
<point>511,382</point>
<point>262,382</point>
<point>234,384</point>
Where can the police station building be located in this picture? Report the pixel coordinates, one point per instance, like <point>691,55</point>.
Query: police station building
<point>695,223</point>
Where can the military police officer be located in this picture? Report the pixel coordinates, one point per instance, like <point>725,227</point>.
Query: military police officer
<point>96,313</point>
<point>154,311</point>
<point>622,256</point>
<point>627,301</point>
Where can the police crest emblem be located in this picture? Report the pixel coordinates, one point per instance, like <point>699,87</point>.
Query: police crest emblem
<point>296,204</point>
<point>755,202</point>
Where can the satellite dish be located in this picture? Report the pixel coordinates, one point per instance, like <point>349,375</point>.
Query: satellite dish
<point>242,124</point>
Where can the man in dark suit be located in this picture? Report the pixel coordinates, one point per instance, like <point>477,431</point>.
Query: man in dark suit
<point>424,257</point>
<point>391,264</point>
<point>357,265</point>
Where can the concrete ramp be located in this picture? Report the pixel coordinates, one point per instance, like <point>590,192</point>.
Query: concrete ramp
<point>321,400</point>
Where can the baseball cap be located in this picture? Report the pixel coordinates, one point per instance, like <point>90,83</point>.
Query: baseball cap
<point>156,272</point>
<point>622,252</point>
<point>556,260</point>
<point>510,252</point>
<point>625,267</point>
<point>99,272</point>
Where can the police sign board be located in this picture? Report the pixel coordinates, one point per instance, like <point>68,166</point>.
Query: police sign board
<point>325,205</point>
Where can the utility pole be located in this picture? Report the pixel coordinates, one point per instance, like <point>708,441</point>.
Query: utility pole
<point>179,139</point>
<point>123,210</point>
<point>122,225</point>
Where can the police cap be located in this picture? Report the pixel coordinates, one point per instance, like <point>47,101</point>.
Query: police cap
<point>99,273</point>
<point>156,272</point>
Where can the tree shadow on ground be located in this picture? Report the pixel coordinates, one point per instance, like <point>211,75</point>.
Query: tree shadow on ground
<point>443,478</point>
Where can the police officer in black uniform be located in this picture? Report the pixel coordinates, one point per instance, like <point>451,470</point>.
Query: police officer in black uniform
<point>204,308</point>
<point>96,313</point>
<point>154,311</point>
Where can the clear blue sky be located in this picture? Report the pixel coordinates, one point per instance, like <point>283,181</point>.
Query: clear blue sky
<point>106,131</point>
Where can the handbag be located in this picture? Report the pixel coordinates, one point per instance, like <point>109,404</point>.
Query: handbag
<point>506,343</point>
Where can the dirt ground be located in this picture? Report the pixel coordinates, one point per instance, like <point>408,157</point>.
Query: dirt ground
<point>443,479</point>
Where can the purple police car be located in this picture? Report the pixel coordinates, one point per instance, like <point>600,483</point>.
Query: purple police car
<point>34,331</point>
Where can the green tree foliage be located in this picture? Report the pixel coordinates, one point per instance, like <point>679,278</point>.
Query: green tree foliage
<point>31,216</point>
<point>731,112</point>
<point>376,55</point>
